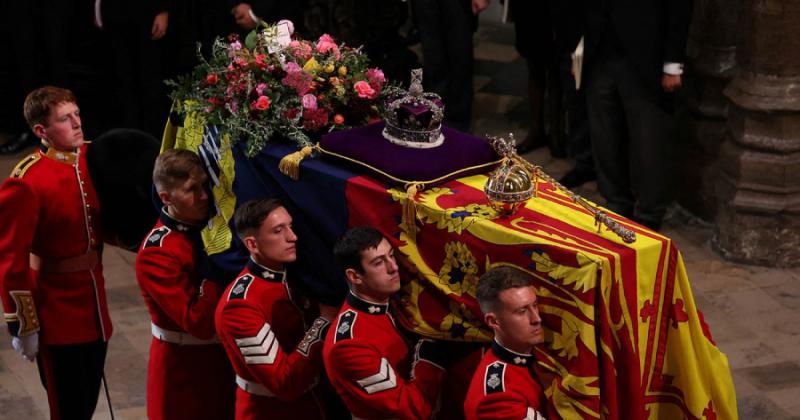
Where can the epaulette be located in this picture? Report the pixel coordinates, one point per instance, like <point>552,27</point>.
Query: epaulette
<point>239,289</point>
<point>24,165</point>
<point>344,325</point>
<point>494,378</point>
<point>156,237</point>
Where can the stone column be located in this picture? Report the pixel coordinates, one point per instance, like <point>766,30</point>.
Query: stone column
<point>758,190</point>
<point>710,66</point>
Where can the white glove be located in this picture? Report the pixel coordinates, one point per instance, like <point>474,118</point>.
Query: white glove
<point>27,346</point>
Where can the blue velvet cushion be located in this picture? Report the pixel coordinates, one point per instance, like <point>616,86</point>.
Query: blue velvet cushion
<point>459,155</point>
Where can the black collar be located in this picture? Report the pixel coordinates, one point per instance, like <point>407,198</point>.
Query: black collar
<point>366,306</point>
<point>176,224</point>
<point>264,272</point>
<point>511,357</point>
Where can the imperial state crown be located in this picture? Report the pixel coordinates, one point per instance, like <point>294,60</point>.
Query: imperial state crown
<point>414,117</point>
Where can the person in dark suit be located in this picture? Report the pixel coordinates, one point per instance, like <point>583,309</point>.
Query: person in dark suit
<point>634,52</point>
<point>445,30</point>
<point>137,31</point>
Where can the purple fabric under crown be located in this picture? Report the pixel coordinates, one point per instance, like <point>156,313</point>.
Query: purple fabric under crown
<point>460,154</point>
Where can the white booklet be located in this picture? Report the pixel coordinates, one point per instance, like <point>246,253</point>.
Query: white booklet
<point>577,64</point>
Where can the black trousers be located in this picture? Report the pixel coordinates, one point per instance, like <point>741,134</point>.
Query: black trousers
<point>138,64</point>
<point>579,144</point>
<point>71,375</point>
<point>631,140</point>
<point>445,29</point>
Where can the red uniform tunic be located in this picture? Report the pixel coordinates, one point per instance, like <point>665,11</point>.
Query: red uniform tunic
<point>49,208</point>
<point>505,387</point>
<point>189,375</point>
<point>277,361</point>
<point>368,364</point>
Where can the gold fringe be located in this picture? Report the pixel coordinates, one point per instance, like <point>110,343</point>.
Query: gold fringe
<point>290,164</point>
<point>410,210</point>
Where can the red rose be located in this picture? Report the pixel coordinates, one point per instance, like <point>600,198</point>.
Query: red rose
<point>262,103</point>
<point>338,119</point>
<point>261,61</point>
<point>212,79</point>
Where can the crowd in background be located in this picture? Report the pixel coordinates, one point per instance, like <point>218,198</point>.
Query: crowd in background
<point>115,56</point>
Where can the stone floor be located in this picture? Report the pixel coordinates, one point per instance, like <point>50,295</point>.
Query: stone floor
<point>754,312</point>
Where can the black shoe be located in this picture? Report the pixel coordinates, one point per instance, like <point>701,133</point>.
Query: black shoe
<point>577,177</point>
<point>22,141</point>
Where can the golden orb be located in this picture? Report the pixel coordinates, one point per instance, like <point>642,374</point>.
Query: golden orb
<point>508,187</point>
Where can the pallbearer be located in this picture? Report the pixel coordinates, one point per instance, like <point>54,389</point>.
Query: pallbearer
<point>271,330</point>
<point>505,385</point>
<point>189,376</point>
<point>370,364</point>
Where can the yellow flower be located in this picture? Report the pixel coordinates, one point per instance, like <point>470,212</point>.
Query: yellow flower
<point>312,66</point>
<point>342,71</point>
<point>330,68</point>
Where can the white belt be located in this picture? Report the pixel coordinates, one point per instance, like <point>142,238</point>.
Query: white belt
<point>253,387</point>
<point>179,337</point>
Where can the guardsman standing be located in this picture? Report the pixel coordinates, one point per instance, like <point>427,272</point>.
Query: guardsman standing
<point>189,375</point>
<point>366,357</point>
<point>272,333</point>
<point>51,276</point>
<point>505,385</point>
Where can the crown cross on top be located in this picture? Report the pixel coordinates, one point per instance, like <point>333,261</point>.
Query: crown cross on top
<point>415,88</point>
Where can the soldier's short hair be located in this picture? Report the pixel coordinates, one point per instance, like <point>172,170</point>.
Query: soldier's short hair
<point>175,166</point>
<point>495,281</point>
<point>40,103</point>
<point>249,216</point>
<point>349,247</point>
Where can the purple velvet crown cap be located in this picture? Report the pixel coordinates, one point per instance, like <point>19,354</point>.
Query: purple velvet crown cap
<point>460,154</point>
<point>421,113</point>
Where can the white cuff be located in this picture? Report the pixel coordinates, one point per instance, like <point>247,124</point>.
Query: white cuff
<point>674,69</point>
<point>254,17</point>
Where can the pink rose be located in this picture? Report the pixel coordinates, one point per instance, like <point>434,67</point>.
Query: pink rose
<point>364,90</point>
<point>309,101</point>
<point>260,89</point>
<point>326,44</point>
<point>376,78</point>
<point>292,67</point>
<point>261,104</point>
<point>300,49</point>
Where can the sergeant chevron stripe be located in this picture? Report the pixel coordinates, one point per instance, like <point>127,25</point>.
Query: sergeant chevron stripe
<point>533,415</point>
<point>259,349</point>
<point>383,380</point>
